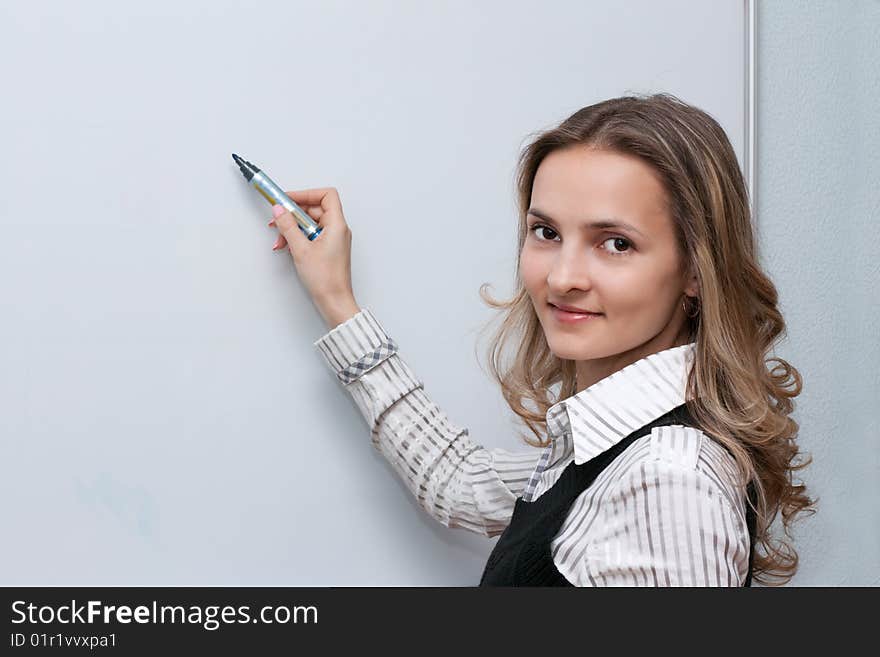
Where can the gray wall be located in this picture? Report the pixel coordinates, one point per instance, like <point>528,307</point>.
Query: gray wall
<point>818,190</point>
<point>154,352</point>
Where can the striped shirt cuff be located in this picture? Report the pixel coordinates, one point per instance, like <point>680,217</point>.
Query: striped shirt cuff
<point>356,346</point>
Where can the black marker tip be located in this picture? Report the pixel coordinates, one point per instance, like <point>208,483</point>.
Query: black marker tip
<point>247,169</point>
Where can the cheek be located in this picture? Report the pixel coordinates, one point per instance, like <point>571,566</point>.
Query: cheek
<point>634,287</point>
<point>643,294</point>
<point>531,270</point>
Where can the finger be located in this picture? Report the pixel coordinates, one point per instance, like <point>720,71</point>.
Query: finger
<point>280,242</point>
<point>288,227</point>
<point>327,198</point>
<point>313,212</point>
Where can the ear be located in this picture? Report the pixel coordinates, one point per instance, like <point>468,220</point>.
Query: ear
<point>692,286</point>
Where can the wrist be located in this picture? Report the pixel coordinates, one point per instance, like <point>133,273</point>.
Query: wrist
<point>337,311</point>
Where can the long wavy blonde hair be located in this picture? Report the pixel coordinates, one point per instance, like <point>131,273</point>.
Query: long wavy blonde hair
<point>732,391</point>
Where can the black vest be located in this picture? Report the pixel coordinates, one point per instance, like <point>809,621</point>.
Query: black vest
<point>522,555</point>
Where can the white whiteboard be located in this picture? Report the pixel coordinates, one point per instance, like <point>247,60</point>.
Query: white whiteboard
<point>152,344</point>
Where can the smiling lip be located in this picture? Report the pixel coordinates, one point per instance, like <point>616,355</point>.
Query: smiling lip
<point>566,316</point>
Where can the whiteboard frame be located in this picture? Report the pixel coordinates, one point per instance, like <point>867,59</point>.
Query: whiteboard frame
<point>751,79</point>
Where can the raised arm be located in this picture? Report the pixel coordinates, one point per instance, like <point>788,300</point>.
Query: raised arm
<point>458,482</point>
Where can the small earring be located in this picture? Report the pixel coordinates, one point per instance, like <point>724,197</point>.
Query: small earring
<point>696,307</point>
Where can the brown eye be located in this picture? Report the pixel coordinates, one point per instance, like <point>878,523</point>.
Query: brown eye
<point>536,228</point>
<point>619,242</point>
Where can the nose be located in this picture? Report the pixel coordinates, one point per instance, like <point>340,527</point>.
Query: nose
<point>571,270</point>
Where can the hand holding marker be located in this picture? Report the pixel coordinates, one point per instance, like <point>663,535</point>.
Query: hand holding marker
<point>272,193</point>
<point>323,265</point>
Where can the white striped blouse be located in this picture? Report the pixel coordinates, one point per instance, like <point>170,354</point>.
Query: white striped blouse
<point>665,512</point>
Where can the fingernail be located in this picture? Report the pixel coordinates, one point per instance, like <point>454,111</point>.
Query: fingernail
<point>277,211</point>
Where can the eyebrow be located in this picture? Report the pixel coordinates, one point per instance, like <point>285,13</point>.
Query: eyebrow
<point>599,223</point>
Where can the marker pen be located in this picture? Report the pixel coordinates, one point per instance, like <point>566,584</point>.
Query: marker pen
<point>274,194</point>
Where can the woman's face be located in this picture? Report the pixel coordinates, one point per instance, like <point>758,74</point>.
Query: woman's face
<point>632,276</point>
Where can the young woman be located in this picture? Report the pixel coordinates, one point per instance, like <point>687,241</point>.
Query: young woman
<point>640,332</point>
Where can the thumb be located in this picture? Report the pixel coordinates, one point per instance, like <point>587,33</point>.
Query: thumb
<point>287,226</point>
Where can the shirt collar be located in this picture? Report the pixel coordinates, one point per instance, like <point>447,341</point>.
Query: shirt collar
<point>602,415</point>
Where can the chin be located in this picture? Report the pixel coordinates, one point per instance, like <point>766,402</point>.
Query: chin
<point>568,350</point>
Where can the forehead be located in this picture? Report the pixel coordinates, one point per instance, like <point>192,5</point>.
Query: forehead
<point>580,184</point>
